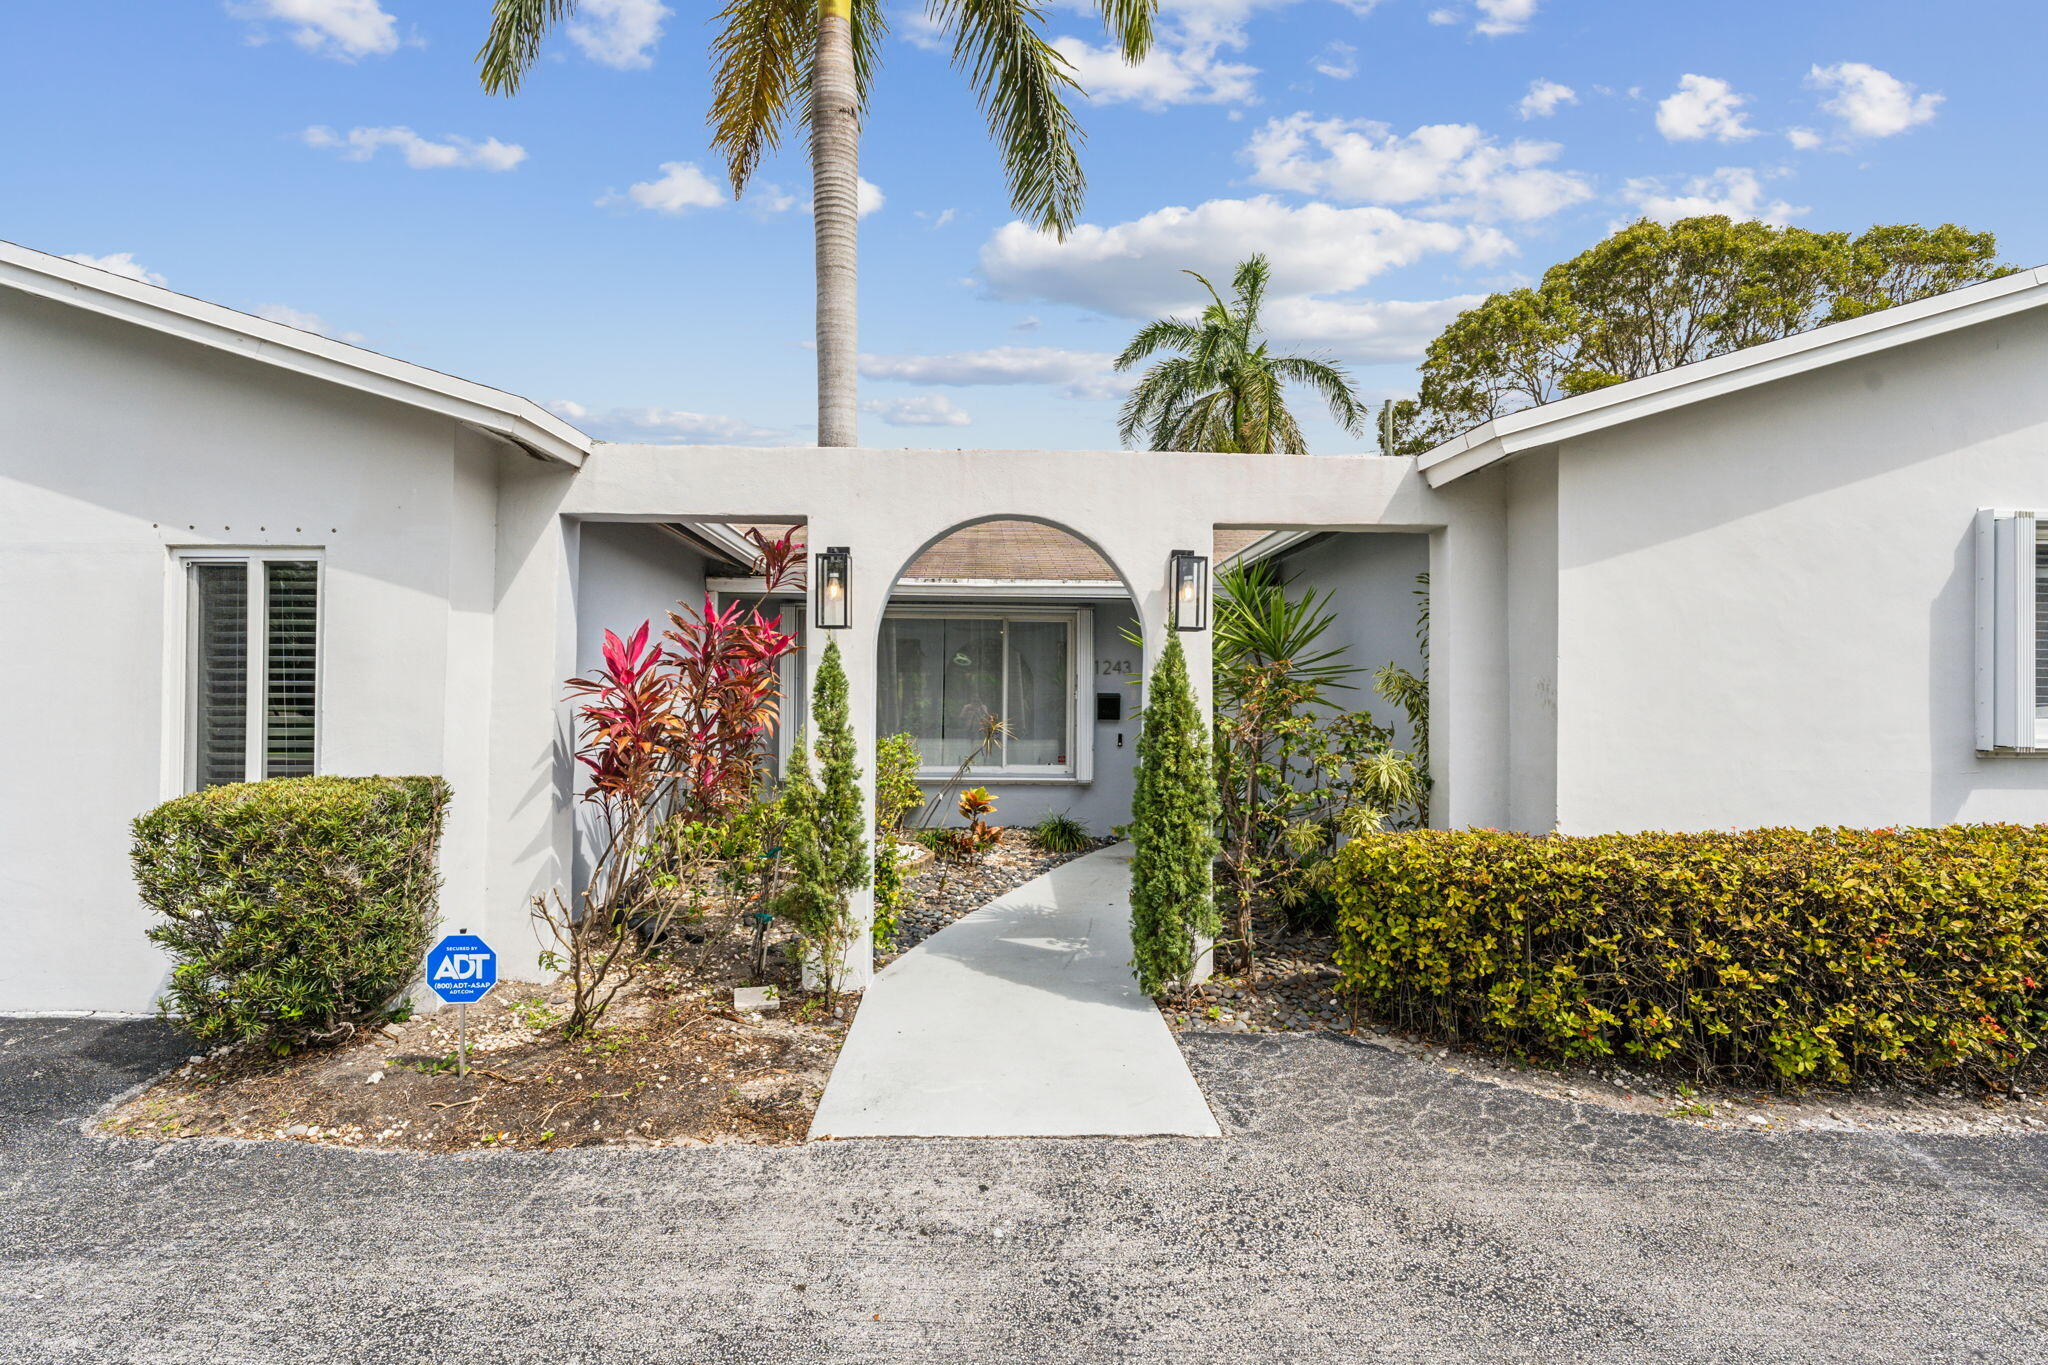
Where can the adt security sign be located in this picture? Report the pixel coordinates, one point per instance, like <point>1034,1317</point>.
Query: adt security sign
<point>461,968</point>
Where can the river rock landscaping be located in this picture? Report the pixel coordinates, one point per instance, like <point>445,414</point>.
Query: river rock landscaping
<point>940,892</point>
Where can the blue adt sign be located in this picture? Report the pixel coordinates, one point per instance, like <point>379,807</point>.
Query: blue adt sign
<point>461,969</point>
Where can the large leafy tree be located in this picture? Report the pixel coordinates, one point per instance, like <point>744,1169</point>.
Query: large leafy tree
<point>1653,296</point>
<point>1225,390</point>
<point>813,62</point>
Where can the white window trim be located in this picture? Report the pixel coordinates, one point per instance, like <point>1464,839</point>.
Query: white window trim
<point>1080,622</point>
<point>2007,719</point>
<point>180,761</point>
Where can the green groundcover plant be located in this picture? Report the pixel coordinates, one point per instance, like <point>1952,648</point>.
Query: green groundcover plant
<point>1778,955</point>
<point>296,910</point>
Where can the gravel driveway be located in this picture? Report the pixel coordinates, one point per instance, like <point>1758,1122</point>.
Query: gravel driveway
<point>1359,1206</point>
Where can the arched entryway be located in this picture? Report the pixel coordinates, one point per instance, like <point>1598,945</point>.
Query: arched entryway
<point>1009,651</point>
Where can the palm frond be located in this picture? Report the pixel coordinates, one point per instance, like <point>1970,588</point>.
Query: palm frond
<point>763,55</point>
<point>1249,285</point>
<point>518,27</point>
<point>1021,84</point>
<point>1129,25</point>
<point>1161,332</point>
<point>1332,382</point>
<point>1166,388</point>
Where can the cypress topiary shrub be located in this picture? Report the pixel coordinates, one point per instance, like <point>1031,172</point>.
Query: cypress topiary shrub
<point>1173,829</point>
<point>1772,954</point>
<point>294,910</point>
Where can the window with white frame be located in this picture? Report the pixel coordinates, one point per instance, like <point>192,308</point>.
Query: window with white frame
<point>251,677</point>
<point>946,673</point>
<point>2012,633</point>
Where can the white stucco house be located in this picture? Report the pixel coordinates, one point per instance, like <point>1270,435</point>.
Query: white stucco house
<point>1793,585</point>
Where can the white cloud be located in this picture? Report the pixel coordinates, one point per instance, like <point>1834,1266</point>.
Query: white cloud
<point>1452,169</point>
<point>304,321</point>
<point>680,188</point>
<point>1803,139</point>
<point>1366,330</point>
<point>1183,73</point>
<point>868,197</point>
<point>1870,102</point>
<point>925,410</point>
<point>1496,18</point>
<point>422,154</point>
<point>619,33</point>
<point>1504,16</point>
<point>997,365</point>
<point>342,29</point>
<point>1703,107</point>
<point>1545,98</point>
<point>1134,269</point>
<point>673,424</point>
<point>1736,191</point>
<point>1337,60</point>
<point>122,263</point>
<point>920,30</point>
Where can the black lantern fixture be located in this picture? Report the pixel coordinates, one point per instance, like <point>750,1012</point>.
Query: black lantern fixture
<point>1188,580</point>
<point>834,570</point>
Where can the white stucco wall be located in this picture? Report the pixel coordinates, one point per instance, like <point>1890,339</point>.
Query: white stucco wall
<point>1532,644</point>
<point>1765,601</point>
<point>118,446</point>
<point>626,573</point>
<point>1370,577</point>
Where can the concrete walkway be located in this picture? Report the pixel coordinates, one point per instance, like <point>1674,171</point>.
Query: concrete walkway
<point>1020,1020</point>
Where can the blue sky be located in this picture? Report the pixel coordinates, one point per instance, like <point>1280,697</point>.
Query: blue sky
<point>334,163</point>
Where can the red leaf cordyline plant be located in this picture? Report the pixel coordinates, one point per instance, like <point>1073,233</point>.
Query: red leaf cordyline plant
<point>672,732</point>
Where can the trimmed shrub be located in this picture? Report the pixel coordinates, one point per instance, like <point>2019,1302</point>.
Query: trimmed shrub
<point>294,910</point>
<point>1772,954</point>
<point>1173,829</point>
<point>896,795</point>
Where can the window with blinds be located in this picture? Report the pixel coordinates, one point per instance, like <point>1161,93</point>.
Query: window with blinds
<point>2041,630</point>
<point>2012,632</point>
<point>253,668</point>
<point>946,677</point>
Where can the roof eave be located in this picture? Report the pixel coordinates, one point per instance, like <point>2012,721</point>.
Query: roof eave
<point>209,324</point>
<point>1541,427</point>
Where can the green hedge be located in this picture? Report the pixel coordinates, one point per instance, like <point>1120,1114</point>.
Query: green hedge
<point>293,910</point>
<point>1772,954</point>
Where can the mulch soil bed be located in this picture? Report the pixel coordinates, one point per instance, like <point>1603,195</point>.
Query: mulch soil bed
<point>942,892</point>
<point>672,1064</point>
<point>1295,990</point>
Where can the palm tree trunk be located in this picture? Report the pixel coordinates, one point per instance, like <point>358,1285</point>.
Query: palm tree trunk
<point>835,200</point>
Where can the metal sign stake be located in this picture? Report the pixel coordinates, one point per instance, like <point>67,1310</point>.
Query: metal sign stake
<point>461,968</point>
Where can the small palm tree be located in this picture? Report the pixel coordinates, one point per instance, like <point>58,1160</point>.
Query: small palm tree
<point>813,61</point>
<point>1223,392</point>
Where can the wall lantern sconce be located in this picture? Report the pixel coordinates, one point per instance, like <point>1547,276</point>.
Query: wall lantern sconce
<point>1188,580</point>
<point>834,570</point>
